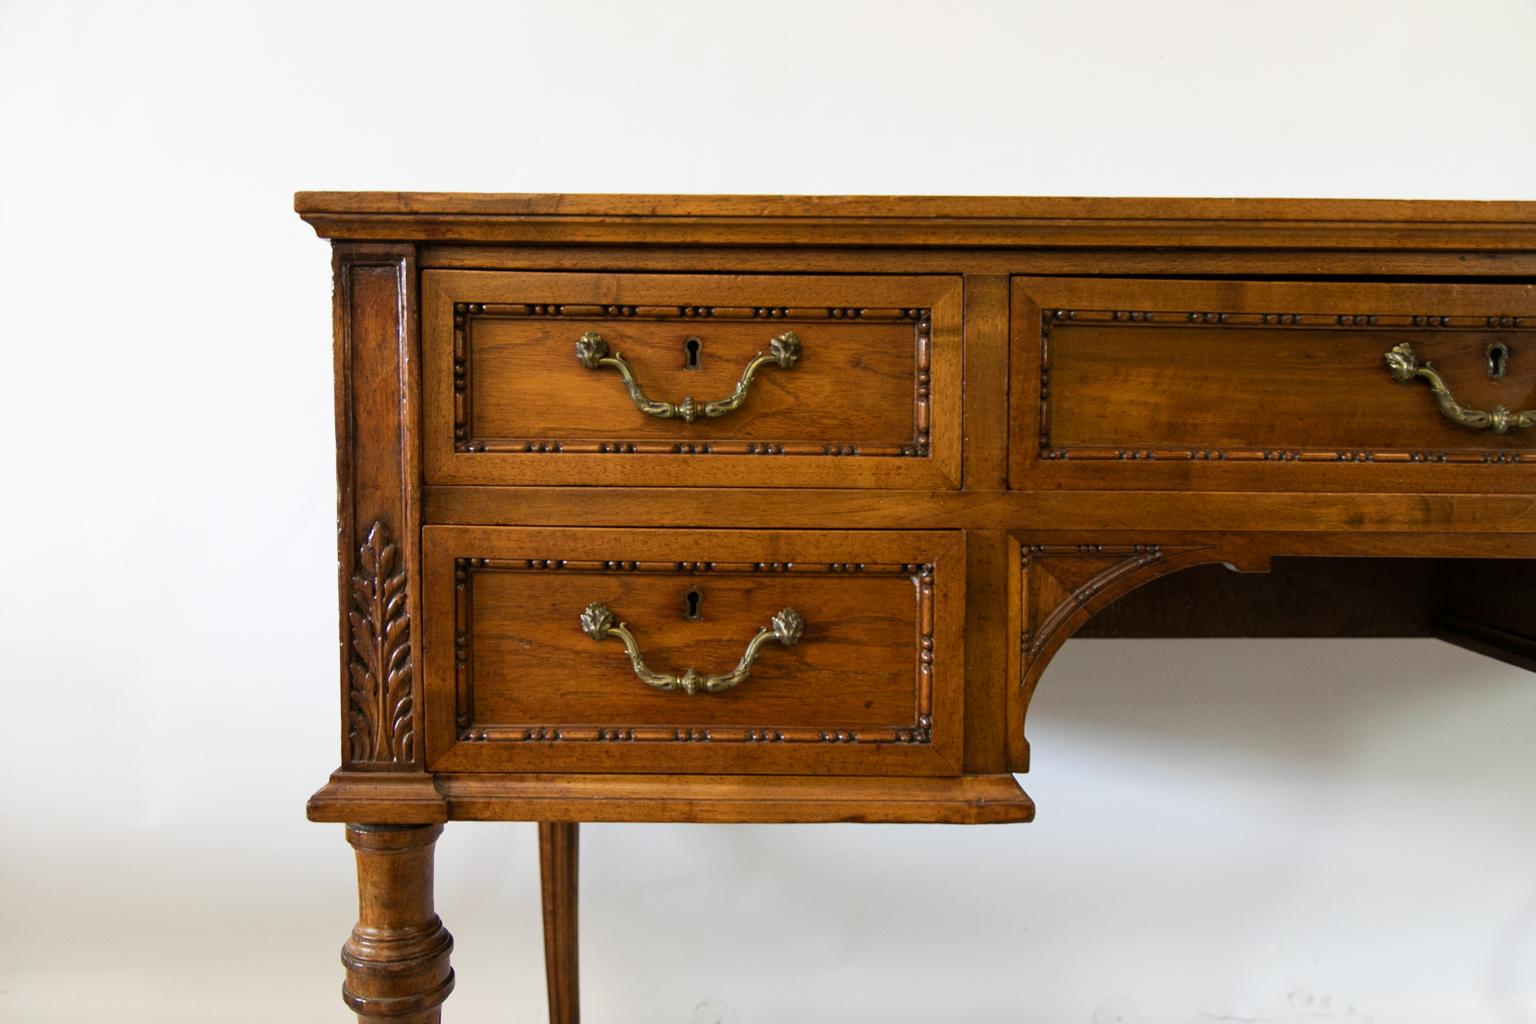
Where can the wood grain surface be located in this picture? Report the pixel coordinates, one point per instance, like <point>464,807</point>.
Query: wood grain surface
<point>874,686</point>
<point>1239,377</point>
<point>874,400</point>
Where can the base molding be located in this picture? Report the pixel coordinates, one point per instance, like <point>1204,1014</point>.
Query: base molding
<point>380,798</point>
<point>721,799</point>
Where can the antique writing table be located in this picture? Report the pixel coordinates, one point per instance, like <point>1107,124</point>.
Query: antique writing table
<point>729,509</point>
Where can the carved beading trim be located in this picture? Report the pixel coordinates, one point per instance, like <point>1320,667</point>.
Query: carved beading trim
<point>380,707</point>
<point>919,732</point>
<point>461,314</point>
<point>463,670</point>
<point>1186,318</point>
<point>922,406</point>
<point>465,313</point>
<point>1046,319</point>
<point>673,568</point>
<point>1392,456</point>
<point>593,311</point>
<point>923,730</point>
<point>1315,321</point>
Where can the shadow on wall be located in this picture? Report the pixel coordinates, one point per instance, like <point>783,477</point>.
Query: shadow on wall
<point>1307,704</point>
<point>1277,830</point>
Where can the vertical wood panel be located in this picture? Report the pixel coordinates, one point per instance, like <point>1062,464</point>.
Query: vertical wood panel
<point>378,484</point>
<point>987,636</point>
<point>986,383</point>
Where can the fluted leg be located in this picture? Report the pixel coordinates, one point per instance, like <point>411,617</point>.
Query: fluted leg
<point>558,847</point>
<point>397,957</point>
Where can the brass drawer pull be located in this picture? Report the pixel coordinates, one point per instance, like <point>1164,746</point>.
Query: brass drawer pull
<point>1404,365</point>
<point>784,351</point>
<point>785,627</point>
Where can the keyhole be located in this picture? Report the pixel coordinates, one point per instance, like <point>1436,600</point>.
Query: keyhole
<point>691,353</point>
<point>1498,360</point>
<point>691,605</point>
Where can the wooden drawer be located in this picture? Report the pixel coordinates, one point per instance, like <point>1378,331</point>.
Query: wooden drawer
<point>1258,384</point>
<point>522,674</point>
<point>858,384</point>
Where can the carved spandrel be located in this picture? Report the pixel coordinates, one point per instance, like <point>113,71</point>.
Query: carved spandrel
<point>1063,585</point>
<point>1060,583</point>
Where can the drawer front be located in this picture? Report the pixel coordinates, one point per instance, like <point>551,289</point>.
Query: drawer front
<point>576,650</point>
<point>566,378</point>
<point>1200,383</point>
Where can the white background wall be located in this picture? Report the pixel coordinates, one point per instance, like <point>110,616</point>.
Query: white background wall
<point>1228,831</point>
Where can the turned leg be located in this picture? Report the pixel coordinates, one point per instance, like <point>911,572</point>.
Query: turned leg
<point>397,957</point>
<point>557,872</point>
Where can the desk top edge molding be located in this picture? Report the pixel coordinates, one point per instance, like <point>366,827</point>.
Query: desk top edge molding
<point>924,221</point>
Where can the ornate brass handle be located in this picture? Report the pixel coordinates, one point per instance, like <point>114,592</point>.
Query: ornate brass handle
<point>784,351</point>
<point>785,627</point>
<point>1404,365</point>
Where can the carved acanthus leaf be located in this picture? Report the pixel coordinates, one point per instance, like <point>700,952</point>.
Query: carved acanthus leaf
<point>381,710</point>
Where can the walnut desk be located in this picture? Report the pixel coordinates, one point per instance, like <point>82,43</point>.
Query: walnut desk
<point>661,508</point>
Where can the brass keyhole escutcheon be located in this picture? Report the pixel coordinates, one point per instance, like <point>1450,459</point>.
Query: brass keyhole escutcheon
<point>691,349</point>
<point>691,605</point>
<point>1498,360</point>
<point>1405,367</point>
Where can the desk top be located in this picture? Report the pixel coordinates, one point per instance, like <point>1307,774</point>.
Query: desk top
<point>924,221</point>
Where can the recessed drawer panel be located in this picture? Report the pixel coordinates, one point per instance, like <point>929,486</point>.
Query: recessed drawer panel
<point>1195,383</point>
<point>698,650</point>
<point>564,378</point>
